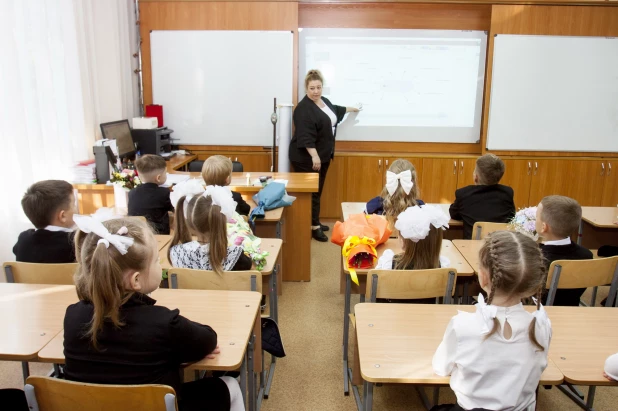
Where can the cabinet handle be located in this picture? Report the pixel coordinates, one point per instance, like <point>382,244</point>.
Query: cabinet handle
<point>536,168</point>
<point>236,159</point>
<point>609,168</point>
<point>529,167</point>
<point>602,169</point>
<point>462,169</point>
<point>455,167</point>
<point>379,165</point>
<point>386,163</point>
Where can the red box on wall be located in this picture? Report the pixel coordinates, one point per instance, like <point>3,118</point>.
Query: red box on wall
<point>155,110</point>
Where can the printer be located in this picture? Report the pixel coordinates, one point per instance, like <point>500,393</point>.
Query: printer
<point>153,141</point>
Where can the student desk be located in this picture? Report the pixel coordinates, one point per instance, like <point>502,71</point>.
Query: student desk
<point>270,278</point>
<point>470,250</point>
<point>163,240</point>
<point>32,314</point>
<point>599,226</point>
<point>179,161</point>
<point>234,315</point>
<point>396,344</point>
<point>457,261</point>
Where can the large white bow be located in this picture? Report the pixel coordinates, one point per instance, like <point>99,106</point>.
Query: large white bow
<point>222,196</point>
<point>414,223</point>
<point>393,180</point>
<point>88,224</point>
<point>187,188</point>
<point>487,313</point>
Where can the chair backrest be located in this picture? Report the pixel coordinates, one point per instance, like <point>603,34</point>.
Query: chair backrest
<point>33,273</point>
<point>196,166</point>
<point>237,167</point>
<point>482,229</point>
<point>564,274</point>
<point>411,284</point>
<point>185,278</point>
<point>54,394</point>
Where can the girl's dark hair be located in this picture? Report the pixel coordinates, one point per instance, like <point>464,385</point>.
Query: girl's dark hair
<point>516,267</point>
<point>205,218</point>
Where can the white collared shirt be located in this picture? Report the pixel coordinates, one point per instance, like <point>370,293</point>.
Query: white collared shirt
<point>57,228</point>
<point>565,241</point>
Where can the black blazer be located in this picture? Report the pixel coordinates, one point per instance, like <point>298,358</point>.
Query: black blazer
<point>242,207</point>
<point>568,297</point>
<point>44,246</point>
<point>153,202</point>
<point>491,203</point>
<point>148,349</point>
<point>313,129</point>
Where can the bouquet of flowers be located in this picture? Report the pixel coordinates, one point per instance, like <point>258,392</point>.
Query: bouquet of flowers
<point>126,179</point>
<point>524,222</point>
<point>239,233</point>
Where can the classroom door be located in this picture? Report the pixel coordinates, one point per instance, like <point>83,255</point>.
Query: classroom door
<point>364,177</point>
<point>579,179</point>
<point>610,186</point>
<point>518,176</point>
<point>439,180</point>
<point>465,172</point>
<point>333,192</point>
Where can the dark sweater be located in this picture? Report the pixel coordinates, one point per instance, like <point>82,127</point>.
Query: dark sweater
<point>148,349</point>
<point>573,251</point>
<point>489,203</point>
<point>44,246</point>
<point>242,207</point>
<point>153,202</point>
<point>376,205</point>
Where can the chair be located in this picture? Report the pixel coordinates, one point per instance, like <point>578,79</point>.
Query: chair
<point>403,285</point>
<point>53,394</point>
<point>481,229</point>
<point>196,166</point>
<point>565,274</point>
<point>33,273</point>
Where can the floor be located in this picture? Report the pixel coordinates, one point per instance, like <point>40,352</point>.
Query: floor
<point>310,377</point>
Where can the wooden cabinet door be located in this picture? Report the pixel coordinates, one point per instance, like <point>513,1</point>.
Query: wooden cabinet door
<point>364,177</point>
<point>439,180</point>
<point>252,162</point>
<point>518,176</point>
<point>465,172</point>
<point>579,179</point>
<point>333,194</point>
<point>610,186</point>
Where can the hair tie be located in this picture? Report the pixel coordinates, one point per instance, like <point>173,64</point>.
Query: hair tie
<point>103,241</point>
<point>123,230</point>
<point>91,225</point>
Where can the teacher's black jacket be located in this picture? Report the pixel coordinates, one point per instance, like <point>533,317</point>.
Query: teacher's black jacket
<point>313,129</point>
<point>148,349</point>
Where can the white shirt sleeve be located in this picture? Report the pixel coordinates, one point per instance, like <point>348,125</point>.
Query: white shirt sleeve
<point>444,358</point>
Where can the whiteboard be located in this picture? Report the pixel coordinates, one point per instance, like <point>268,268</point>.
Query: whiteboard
<point>217,87</point>
<point>554,94</point>
<point>414,85</point>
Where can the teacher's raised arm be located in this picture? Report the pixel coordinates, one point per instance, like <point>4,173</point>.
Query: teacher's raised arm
<point>313,144</point>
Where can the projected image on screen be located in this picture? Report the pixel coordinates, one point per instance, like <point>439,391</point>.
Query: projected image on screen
<point>414,85</point>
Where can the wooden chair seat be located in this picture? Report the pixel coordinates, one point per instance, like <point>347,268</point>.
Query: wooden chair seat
<point>33,273</point>
<point>482,229</point>
<point>185,278</point>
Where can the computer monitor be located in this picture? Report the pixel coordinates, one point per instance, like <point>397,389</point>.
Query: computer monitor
<point>121,132</point>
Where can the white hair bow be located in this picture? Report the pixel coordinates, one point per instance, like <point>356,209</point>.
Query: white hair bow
<point>188,189</point>
<point>437,217</point>
<point>415,222</point>
<point>486,313</point>
<point>393,180</point>
<point>222,196</point>
<point>92,225</point>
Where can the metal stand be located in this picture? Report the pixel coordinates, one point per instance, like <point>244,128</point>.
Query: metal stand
<point>273,119</point>
<point>577,397</point>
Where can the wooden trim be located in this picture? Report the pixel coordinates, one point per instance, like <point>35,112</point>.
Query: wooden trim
<point>483,2</point>
<point>235,149</point>
<point>551,154</point>
<point>407,148</point>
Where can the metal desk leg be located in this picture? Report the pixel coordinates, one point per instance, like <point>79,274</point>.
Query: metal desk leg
<point>590,400</point>
<point>580,233</point>
<point>243,378</point>
<point>368,395</point>
<point>274,313</point>
<point>346,330</point>
<point>251,374</point>
<point>25,369</point>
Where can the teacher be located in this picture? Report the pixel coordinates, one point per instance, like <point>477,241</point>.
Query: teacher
<point>313,144</point>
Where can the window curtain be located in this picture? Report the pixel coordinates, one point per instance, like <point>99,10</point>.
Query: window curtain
<point>65,67</point>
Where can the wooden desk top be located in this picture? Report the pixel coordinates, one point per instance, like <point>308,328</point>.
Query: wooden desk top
<point>359,208</point>
<point>179,161</point>
<point>270,216</point>
<point>163,240</point>
<point>297,182</point>
<point>230,313</point>
<point>602,217</point>
<point>470,250</point>
<point>32,314</point>
<point>272,245</point>
<point>400,344</point>
<point>448,250</point>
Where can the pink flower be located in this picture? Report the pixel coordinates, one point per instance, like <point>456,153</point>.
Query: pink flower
<point>238,241</point>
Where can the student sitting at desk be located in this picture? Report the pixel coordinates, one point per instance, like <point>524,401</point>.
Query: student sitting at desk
<point>49,205</point>
<point>557,217</point>
<point>486,200</point>
<point>399,193</point>
<point>206,216</point>
<point>217,171</point>
<point>496,355</point>
<point>116,334</point>
<point>149,199</point>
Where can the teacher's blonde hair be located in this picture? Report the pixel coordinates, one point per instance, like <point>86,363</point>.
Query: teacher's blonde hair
<point>312,75</point>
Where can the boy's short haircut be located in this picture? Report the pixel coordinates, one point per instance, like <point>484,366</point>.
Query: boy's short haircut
<point>489,169</point>
<point>149,164</point>
<point>562,214</point>
<point>216,170</point>
<point>44,199</point>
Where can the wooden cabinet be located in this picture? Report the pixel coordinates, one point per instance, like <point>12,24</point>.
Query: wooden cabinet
<point>439,180</point>
<point>333,193</point>
<point>518,175</point>
<point>465,173</point>
<point>364,177</point>
<point>251,161</point>
<point>610,185</point>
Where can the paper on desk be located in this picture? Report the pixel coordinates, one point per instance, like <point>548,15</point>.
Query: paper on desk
<point>175,179</point>
<point>444,262</point>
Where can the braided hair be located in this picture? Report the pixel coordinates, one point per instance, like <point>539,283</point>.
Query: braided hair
<point>516,267</point>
